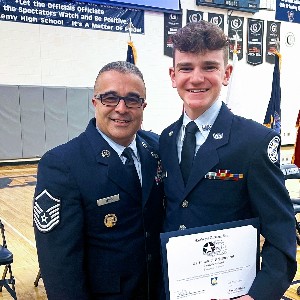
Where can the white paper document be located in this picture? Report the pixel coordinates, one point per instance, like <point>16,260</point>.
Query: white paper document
<point>217,264</point>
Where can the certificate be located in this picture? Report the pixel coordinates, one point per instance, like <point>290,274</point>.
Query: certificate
<point>211,262</point>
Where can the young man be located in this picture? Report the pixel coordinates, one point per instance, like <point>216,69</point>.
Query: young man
<point>93,213</point>
<point>195,194</point>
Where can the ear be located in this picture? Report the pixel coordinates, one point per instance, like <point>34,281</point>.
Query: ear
<point>94,101</point>
<point>228,71</point>
<point>144,105</point>
<point>172,76</point>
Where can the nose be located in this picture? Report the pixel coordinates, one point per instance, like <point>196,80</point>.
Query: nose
<point>196,76</point>
<point>121,107</point>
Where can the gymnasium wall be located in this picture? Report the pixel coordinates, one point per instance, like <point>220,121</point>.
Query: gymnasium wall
<point>35,119</point>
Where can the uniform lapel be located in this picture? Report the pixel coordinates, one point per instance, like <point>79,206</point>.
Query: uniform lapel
<point>169,152</point>
<point>207,156</point>
<point>149,163</point>
<point>108,157</point>
<point>117,174</point>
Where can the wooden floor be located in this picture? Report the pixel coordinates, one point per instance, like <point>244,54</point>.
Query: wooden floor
<point>16,215</point>
<point>16,193</point>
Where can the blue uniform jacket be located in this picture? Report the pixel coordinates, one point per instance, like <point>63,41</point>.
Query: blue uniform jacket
<point>240,146</point>
<point>96,237</point>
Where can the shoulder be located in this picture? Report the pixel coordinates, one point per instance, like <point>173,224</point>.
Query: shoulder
<point>149,136</point>
<point>250,128</point>
<point>171,128</point>
<point>65,152</point>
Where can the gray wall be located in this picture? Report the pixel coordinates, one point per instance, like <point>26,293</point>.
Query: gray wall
<point>34,119</point>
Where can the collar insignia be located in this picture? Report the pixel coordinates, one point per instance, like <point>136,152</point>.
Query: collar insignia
<point>105,153</point>
<point>218,136</point>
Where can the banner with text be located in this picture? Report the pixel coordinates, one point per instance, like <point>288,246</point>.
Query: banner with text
<point>255,45</point>
<point>272,41</point>
<point>76,15</point>
<point>156,5</point>
<point>194,16</point>
<point>288,10</point>
<point>217,19</point>
<point>235,36</point>
<point>172,22</point>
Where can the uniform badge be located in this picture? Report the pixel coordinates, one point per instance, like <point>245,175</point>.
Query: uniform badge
<point>154,155</point>
<point>105,153</point>
<point>218,136</point>
<point>108,200</point>
<point>206,127</point>
<point>46,211</point>
<point>224,175</point>
<point>110,220</point>
<point>159,173</point>
<point>273,149</point>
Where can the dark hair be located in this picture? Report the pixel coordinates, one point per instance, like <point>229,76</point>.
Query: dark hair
<point>199,37</point>
<point>122,67</point>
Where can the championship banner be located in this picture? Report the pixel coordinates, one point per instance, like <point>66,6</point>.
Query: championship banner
<point>172,22</point>
<point>255,34</point>
<point>272,41</point>
<point>217,19</point>
<point>74,14</point>
<point>235,36</point>
<point>194,16</point>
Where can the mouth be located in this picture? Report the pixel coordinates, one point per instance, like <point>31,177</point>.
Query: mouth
<point>120,121</point>
<point>197,91</point>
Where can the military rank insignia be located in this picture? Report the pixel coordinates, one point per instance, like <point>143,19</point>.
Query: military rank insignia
<point>46,211</point>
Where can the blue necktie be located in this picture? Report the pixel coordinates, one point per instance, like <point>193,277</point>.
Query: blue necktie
<point>188,150</point>
<point>130,167</point>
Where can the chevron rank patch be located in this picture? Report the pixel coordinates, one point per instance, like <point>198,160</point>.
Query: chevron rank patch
<point>46,211</point>
<point>273,149</point>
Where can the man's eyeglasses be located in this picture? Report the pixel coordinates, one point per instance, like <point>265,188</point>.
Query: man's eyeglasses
<point>113,100</point>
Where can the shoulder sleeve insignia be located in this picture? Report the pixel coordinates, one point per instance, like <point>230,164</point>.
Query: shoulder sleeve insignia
<point>273,148</point>
<point>46,211</point>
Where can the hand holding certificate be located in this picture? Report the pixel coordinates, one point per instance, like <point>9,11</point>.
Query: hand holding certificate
<point>212,262</point>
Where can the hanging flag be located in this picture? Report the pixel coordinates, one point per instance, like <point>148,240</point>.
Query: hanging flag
<point>131,53</point>
<point>273,114</point>
<point>296,156</point>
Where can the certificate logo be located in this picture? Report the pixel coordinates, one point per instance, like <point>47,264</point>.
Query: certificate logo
<point>214,280</point>
<point>213,248</point>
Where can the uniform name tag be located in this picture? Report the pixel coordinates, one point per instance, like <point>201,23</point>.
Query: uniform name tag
<point>108,200</point>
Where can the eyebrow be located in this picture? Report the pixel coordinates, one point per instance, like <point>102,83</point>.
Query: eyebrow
<point>183,64</point>
<point>116,94</point>
<point>206,63</point>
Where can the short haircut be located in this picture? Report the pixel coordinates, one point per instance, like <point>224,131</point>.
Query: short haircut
<point>121,67</point>
<point>200,37</point>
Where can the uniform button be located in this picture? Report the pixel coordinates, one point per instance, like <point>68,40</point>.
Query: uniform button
<point>182,227</point>
<point>185,204</point>
<point>149,257</point>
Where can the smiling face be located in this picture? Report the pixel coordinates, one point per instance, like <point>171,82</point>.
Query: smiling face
<point>198,78</point>
<point>119,123</point>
